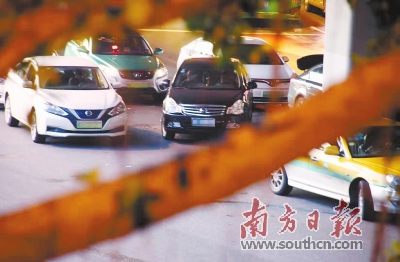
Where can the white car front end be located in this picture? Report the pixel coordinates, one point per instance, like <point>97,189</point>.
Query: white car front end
<point>80,113</point>
<point>272,82</point>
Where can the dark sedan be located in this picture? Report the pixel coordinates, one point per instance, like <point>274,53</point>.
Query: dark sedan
<point>207,96</point>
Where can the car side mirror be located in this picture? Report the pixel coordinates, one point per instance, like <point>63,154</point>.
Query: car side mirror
<point>251,85</point>
<point>331,150</point>
<point>158,51</point>
<point>27,84</point>
<point>165,83</point>
<point>116,84</point>
<point>83,49</point>
<point>285,59</point>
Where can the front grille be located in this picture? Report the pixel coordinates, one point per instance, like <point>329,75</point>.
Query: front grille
<point>88,114</point>
<point>272,82</point>
<point>203,110</point>
<point>136,74</point>
<point>270,100</point>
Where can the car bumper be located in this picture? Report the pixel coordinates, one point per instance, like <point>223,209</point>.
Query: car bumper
<point>58,126</point>
<point>147,86</point>
<point>270,96</point>
<point>184,125</point>
<point>385,199</point>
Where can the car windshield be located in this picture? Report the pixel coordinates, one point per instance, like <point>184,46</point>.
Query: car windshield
<point>376,141</point>
<point>207,78</point>
<point>71,78</point>
<point>127,46</point>
<point>256,54</point>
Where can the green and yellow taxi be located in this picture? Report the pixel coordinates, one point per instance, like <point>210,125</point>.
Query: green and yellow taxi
<point>128,62</point>
<point>363,170</point>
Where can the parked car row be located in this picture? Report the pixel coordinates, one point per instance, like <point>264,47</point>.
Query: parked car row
<point>73,96</point>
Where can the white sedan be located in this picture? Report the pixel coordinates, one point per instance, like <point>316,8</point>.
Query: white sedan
<point>61,96</point>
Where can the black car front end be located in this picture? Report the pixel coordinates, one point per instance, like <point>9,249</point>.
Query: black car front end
<point>200,118</point>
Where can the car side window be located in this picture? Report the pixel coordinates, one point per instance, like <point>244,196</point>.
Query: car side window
<point>316,76</point>
<point>31,74</point>
<point>21,70</point>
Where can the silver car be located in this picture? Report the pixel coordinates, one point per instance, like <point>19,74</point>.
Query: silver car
<point>305,85</point>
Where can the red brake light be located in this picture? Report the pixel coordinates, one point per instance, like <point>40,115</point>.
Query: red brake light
<point>114,47</point>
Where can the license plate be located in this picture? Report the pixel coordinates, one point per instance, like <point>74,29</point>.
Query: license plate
<point>209,122</point>
<point>89,124</point>
<point>138,85</point>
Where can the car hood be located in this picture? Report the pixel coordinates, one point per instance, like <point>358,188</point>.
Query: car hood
<point>205,96</point>
<point>269,71</point>
<point>81,99</point>
<point>381,164</point>
<point>129,62</point>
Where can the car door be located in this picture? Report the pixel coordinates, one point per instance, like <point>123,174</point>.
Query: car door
<point>314,81</point>
<point>328,173</point>
<point>297,171</point>
<point>15,80</point>
<point>26,94</point>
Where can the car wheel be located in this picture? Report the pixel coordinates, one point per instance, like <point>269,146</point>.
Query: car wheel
<point>167,135</point>
<point>278,182</point>
<point>365,202</point>
<point>10,120</point>
<point>36,137</point>
<point>299,101</point>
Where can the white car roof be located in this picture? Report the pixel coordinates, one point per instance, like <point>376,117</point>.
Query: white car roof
<point>63,61</point>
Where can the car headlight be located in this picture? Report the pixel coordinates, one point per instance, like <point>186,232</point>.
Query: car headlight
<point>118,109</point>
<point>162,71</point>
<point>109,71</point>
<point>393,181</point>
<point>236,108</point>
<point>170,106</point>
<point>53,109</point>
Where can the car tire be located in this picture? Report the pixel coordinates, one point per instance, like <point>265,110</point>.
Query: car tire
<point>365,201</point>
<point>36,137</point>
<point>167,135</point>
<point>299,101</point>
<point>10,120</point>
<point>278,182</point>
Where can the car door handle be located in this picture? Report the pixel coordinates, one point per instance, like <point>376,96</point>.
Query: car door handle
<point>313,158</point>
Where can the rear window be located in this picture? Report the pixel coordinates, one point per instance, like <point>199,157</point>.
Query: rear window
<point>255,54</point>
<point>128,46</point>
